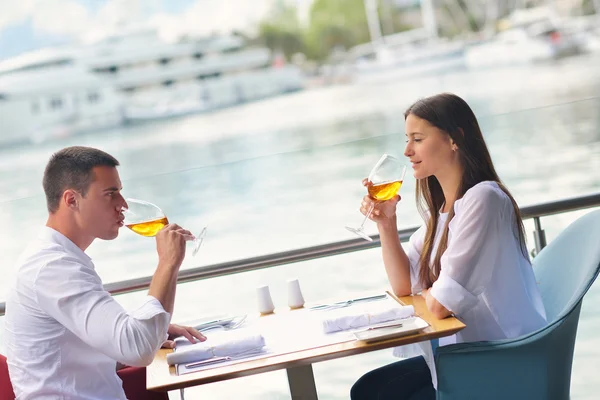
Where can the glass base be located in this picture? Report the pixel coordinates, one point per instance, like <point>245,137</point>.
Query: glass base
<point>360,233</point>
<point>198,241</point>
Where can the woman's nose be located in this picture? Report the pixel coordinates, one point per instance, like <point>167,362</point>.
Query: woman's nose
<point>408,151</point>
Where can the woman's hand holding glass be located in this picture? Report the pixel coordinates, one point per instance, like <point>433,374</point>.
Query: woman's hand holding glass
<point>383,212</point>
<point>383,184</point>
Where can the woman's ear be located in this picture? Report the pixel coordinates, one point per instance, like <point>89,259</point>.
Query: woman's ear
<point>453,145</point>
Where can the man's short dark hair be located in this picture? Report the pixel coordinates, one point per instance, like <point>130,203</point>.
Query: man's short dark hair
<point>71,168</point>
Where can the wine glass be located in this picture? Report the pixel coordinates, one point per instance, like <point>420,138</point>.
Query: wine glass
<point>385,181</point>
<point>146,219</point>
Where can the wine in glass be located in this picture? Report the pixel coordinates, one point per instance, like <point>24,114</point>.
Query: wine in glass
<point>385,181</point>
<point>147,219</point>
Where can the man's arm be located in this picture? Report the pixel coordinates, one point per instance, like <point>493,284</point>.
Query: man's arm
<point>170,245</point>
<point>72,293</point>
<point>79,302</point>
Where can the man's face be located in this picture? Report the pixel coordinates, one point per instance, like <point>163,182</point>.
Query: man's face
<point>100,211</point>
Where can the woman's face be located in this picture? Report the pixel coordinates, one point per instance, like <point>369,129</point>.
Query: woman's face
<point>429,149</point>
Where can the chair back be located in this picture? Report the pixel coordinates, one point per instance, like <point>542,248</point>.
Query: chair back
<point>134,385</point>
<point>6,389</point>
<point>567,267</point>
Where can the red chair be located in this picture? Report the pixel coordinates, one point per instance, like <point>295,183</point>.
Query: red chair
<point>6,389</point>
<point>134,384</point>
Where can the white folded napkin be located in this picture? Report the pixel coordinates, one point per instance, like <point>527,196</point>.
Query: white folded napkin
<point>222,346</point>
<point>369,314</point>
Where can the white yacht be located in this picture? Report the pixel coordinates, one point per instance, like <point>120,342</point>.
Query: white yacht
<point>414,52</point>
<point>48,94</point>
<point>527,36</point>
<point>130,77</point>
<point>406,54</point>
<point>159,79</point>
<point>586,31</point>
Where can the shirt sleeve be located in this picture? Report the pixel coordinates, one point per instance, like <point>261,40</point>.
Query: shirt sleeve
<point>467,264</point>
<point>415,245</point>
<point>73,294</point>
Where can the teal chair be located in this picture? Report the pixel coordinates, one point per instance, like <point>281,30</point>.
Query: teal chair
<point>538,365</point>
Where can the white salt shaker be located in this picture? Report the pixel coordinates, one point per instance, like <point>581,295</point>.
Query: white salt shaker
<point>295,298</point>
<point>265,302</point>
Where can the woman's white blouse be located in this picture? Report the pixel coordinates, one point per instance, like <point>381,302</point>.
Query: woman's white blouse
<point>485,279</point>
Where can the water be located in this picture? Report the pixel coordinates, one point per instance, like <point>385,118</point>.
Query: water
<point>285,173</point>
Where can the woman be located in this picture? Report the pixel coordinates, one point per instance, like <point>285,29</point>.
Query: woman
<point>470,257</point>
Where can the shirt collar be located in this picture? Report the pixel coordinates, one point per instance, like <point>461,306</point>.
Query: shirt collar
<point>51,235</point>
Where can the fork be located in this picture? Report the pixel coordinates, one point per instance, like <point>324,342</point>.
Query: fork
<point>229,326</point>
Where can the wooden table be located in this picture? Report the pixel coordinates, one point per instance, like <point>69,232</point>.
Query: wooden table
<point>162,377</point>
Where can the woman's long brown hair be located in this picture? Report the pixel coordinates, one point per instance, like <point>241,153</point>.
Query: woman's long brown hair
<point>452,115</point>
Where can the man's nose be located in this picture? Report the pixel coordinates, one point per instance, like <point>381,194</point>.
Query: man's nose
<point>122,203</point>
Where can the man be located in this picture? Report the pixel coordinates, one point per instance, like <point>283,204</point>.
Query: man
<point>64,333</point>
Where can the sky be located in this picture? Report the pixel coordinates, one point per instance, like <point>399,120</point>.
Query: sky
<point>32,24</point>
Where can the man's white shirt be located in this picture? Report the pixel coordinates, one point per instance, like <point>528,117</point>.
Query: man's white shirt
<point>65,333</point>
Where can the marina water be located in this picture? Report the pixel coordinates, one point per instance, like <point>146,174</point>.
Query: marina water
<point>286,172</point>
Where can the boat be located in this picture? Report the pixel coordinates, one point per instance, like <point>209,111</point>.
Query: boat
<point>404,54</point>
<point>586,31</point>
<point>133,76</point>
<point>159,79</point>
<point>47,94</point>
<point>526,36</point>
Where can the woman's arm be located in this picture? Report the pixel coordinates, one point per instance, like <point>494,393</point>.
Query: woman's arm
<point>397,263</point>
<point>434,306</point>
<point>395,260</point>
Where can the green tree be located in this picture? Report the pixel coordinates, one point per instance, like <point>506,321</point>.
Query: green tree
<point>334,24</point>
<point>281,31</point>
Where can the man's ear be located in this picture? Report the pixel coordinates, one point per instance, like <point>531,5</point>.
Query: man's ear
<point>71,199</point>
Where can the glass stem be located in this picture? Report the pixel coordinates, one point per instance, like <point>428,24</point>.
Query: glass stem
<point>367,216</point>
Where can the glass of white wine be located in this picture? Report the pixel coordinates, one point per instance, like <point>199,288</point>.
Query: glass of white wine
<point>146,219</point>
<point>385,180</point>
